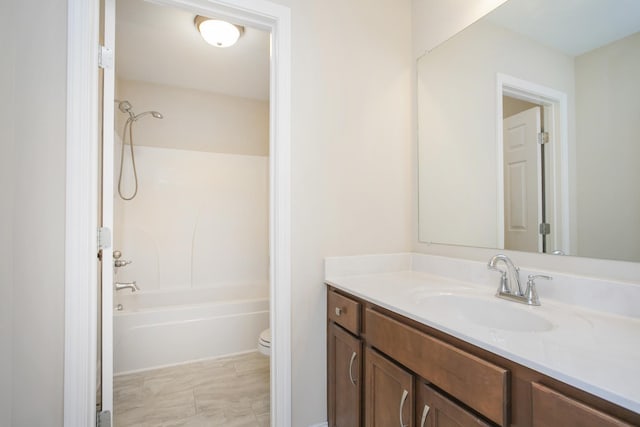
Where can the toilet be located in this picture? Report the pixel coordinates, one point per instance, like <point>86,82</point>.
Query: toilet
<point>264,342</point>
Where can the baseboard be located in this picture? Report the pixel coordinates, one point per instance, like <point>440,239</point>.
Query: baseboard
<point>324,424</point>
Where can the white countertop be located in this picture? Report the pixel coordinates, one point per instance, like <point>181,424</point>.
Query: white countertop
<point>596,351</point>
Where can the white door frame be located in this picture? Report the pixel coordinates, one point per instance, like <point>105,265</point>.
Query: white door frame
<point>555,111</point>
<point>82,198</point>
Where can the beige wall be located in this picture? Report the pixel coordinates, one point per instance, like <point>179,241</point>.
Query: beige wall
<point>196,120</point>
<point>434,21</point>
<point>7,116</point>
<point>458,13</point>
<point>351,94</point>
<point>607,185</point>
<point>39,212</point>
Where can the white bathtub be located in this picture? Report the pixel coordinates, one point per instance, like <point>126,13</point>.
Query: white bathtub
<point>162,328</point>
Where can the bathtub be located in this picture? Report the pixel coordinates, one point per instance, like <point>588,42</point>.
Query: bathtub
<point>164,328</point>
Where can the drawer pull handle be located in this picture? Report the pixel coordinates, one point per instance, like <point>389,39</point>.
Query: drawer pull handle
<point>405,393</point>
<point>425,413</point>
<point>338,311</point>
<point>353,357</point>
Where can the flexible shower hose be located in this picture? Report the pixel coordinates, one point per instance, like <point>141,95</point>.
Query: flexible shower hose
<point>129,124</point>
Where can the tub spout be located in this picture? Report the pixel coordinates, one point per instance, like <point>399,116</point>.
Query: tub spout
<point>127,285</point>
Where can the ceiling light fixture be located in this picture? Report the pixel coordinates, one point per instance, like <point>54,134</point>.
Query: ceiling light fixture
<point>218,33</point>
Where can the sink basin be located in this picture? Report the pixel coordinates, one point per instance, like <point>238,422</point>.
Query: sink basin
<point>489,313</point>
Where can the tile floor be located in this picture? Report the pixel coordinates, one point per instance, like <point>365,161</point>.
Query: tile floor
<point>230,392</point>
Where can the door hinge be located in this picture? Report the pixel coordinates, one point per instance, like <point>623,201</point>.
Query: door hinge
<point>105,57</point>
<point>543,138</point>
<point>104,238</point>
<point>545,228</point>
<point>103,419</point>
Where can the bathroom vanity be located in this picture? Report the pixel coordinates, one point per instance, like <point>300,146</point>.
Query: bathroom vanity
<point>410,348</point>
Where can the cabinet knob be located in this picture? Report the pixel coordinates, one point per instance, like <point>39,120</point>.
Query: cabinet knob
<point>338,311</point>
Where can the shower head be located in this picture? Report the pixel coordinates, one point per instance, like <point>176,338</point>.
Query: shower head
<point>155,114</point>
<point>125,107</point>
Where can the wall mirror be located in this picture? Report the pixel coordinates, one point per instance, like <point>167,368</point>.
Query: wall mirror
<point>529,131</point>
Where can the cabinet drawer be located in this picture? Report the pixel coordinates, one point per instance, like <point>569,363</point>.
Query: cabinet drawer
<point>477,383</point>
<point>344,311</point>
<point>551,408</point>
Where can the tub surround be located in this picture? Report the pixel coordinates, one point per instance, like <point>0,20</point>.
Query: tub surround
<point>199,219</point>
<point>592,344</point>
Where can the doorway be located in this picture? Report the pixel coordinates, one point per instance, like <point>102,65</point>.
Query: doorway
<point>190,230</point>
<point>533,174</point>
<point>80,308</point>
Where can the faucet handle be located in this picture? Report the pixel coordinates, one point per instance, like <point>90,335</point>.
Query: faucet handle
<point>533,277</point>
<point>531,294</point>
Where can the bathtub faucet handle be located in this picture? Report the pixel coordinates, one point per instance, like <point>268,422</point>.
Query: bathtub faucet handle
<point>121,263</point>
<point>117,262</point>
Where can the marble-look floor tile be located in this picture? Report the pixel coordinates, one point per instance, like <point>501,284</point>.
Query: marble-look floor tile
<point>128,392</point>
<point>167,407</point>
<point>230,392</point>
<point>252,365</point>
<point>261,405</point>
<point>263,420</point>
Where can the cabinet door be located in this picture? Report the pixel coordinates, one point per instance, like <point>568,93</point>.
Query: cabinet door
<point>388,393</point>
<point>344,378</point>
<point>551,409</point>
<point>435,410</point>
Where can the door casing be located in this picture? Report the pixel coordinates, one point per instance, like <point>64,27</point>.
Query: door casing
<point>81,282</point>
<point>555,111</point>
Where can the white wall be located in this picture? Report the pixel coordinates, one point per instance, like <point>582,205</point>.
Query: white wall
<point>39,212</point>
<point>458,200</point>
<point>607,185</point>
<point>199,219</point>
<point>458,14</point>
<point>7,117</point>
<point>196,120</point>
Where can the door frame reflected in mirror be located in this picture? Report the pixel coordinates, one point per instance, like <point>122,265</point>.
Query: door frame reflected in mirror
<point>555,112</point>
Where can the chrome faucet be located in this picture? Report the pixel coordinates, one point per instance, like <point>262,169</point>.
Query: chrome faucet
<point>507,290</point>
<point>127,285</point>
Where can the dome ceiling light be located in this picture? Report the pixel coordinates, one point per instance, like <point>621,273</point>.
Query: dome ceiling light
<point>217,32</point>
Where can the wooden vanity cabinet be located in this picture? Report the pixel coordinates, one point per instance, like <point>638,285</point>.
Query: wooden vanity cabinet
<point>461,384</point>
<point>389,394</point>
<point>434,409</point>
